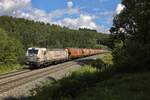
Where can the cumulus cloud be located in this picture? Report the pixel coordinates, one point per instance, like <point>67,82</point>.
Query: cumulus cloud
<point>83,21</point>
<point>8,6</point>
<point>119,8</point>
<point>36,15</point>
<point>69,4</point>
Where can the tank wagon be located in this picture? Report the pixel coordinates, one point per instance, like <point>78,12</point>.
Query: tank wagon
<point>40,57</point>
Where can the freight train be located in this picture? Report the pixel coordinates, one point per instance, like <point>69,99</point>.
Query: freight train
<point>41,57</point>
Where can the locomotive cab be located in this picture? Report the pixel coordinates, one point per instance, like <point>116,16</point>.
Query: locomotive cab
<point>34,56</point>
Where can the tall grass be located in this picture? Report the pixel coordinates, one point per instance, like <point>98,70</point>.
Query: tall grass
<point>9,68</point>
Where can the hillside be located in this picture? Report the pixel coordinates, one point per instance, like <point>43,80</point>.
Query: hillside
<point>31,33</point>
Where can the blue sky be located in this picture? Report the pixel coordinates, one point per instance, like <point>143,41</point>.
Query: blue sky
<point>92,7</point>
<point>93,14</point>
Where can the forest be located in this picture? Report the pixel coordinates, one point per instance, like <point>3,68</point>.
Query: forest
<point>17,34</point>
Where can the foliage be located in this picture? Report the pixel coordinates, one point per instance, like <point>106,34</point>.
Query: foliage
<point>9,68</point>
<point>31,33</point>
<point>107,59</point>
<point>131,30</point>
<point>101,63</point>
<point>10,49</point>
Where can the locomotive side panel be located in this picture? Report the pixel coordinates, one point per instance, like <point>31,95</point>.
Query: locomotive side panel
<point>57,54</point>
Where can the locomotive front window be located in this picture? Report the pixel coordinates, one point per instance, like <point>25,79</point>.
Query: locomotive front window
<point>33,51</point>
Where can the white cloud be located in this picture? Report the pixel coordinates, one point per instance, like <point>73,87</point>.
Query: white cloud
<point>119,8</point>
<point>69,4</point>
<point>33,14</point>
<point>39,13</point>
<point>83,21</point>
<point>7,6</point>
<point>103,29</point>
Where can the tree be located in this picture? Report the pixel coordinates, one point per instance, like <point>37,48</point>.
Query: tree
<point>31,33</point>
<point>10,49</point>
<point>132,28</point>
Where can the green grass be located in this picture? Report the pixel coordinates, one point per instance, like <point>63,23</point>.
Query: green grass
<point>9,68</point>
<point>120,87</point>
<point>85,69</point>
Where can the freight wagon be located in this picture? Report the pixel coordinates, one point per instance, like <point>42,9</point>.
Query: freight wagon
<point>74,52</point>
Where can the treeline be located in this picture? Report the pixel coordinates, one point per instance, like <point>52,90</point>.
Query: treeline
<point>26,33</point>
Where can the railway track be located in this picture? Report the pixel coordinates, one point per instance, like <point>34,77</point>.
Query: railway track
<point>11,74</point>
<point>8,82</point>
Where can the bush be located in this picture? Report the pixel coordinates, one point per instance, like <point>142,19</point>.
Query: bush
<point>100,64</point>
<point>133,58</point>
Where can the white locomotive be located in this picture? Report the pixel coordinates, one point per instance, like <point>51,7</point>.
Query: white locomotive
<point>42,57</point>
